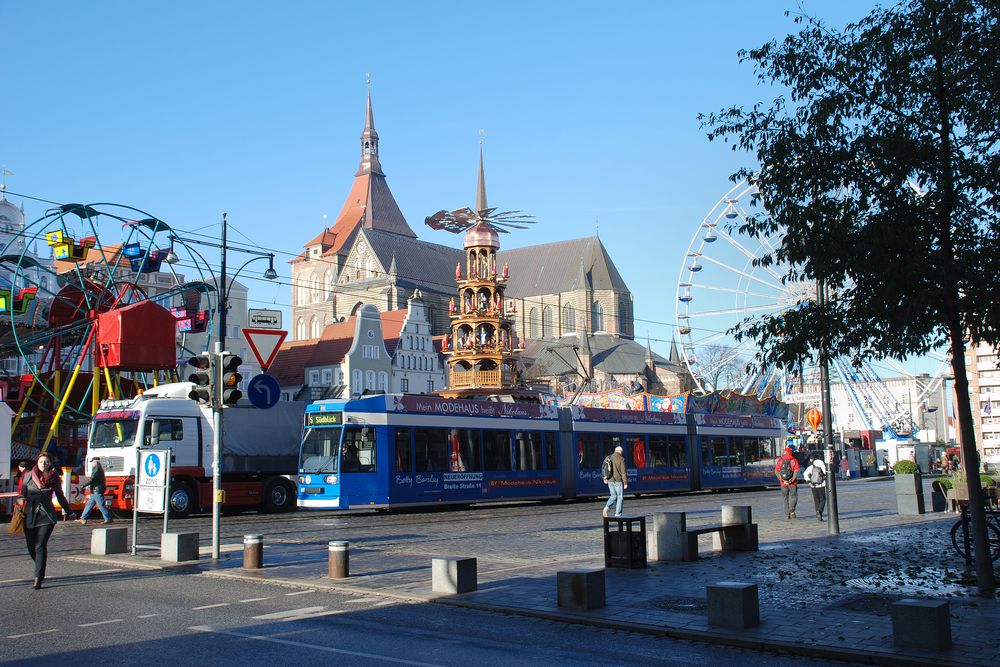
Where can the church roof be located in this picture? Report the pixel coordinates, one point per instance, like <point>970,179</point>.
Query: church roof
<point>418,262</point>
<point>609,353</point>
<point>562,266</point>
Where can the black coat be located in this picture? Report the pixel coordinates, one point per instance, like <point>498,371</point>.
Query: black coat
<point>38,508</point>
<point>96,483</point>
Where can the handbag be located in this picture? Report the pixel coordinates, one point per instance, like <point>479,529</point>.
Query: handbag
<point>16,522</point>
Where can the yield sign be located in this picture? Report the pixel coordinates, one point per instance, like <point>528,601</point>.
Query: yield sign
<point>264,344</point>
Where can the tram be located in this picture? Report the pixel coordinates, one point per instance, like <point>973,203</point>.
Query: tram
<point>410,450</point>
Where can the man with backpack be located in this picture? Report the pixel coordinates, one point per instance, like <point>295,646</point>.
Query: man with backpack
<point>786,469</point>
<point>815,475</point>
<point>614,475</point>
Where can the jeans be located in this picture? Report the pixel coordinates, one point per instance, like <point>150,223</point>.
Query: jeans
<point>617,490</point>
<point>790,494</point>
<point>37,539</point>
<point>95,499</point>
<point>819,499</point>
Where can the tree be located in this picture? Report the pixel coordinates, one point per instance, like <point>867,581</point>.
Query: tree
<point>880,165</point>
<point>721,367</point>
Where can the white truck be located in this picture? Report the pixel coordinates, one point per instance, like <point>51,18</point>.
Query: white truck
<point>259,450</point>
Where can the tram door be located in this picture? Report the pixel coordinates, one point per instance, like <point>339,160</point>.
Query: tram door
<point>359,467</point>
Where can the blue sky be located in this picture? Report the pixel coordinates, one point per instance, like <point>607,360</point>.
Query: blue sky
<point>187,109</point>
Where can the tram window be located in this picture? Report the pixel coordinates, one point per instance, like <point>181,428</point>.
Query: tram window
<point>319,450</point>
<point>358,454</point>
<point>612,440</point>
<point>464,450</point>
<point>719,454</point>
<point>551,451</point>
<point>678,451</point>
<point>636,448</point>
<point>496,450</point>
<point>659,451</point>
<point>404,451</point>
<point>528,447</point>
<point>737,451</point>
<point>432,449</point>
<point>589,450</point>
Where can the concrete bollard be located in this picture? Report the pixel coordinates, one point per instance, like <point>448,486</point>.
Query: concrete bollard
<point>253,552</point>
<point>923,624</point>
<point>454,574</point>
<point>179,547</point>
<point>733,604</point>
<point>736,514</point>
<point>104,541</point>
<point>580,590</point>
<point>664,543</point>
<point>338,566</point>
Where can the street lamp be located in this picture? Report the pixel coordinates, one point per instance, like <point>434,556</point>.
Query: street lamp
<point>220,345</point>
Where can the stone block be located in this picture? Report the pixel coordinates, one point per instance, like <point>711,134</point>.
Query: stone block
<point>733,604</point>
<point>178,547</point>
<point>736,514</point>
<point>736,538</point>
<point>666,541</point>
<point>453,574</point>
<point>580,590</point>
<point>908,484</point>
<point>921,624</point>
<point>104,541</point>
<point>909,504</point>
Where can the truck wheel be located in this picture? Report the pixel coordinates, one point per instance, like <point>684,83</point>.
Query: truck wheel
<point>278,497</point>
<point>182,500</point>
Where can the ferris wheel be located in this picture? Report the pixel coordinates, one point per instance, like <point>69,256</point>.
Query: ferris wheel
<point>90,309</point>
<point>722,283</point>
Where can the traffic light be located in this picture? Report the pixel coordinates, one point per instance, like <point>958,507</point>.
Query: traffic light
<point>229,383</point>
<point>201,377</point>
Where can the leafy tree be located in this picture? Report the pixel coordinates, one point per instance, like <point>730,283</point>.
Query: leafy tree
<point>881,165</point>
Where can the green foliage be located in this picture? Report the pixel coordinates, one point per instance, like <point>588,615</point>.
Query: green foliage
<point>987,480</point>
<point>878,174</point>
<point>944,482</point>
<point>905,467</point>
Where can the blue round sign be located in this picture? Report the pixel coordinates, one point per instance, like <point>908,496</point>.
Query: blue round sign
<point>263,391</point>
<point>152,465</point>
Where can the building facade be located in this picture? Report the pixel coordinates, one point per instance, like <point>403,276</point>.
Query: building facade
<point>982,363</point>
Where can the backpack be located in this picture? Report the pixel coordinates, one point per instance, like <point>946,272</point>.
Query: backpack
<point>817,475</point>
<point>607,470</point>
<point>785,473</point>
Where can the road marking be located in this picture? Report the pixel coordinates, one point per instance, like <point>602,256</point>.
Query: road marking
<point>255,599</point>
<point>311,590</point>
<point>147,616</point>
<point>211,606</point>
<point>14,581</point>
<point>117,569</point>
<point>290,613</point>
<point>328,649</point>
<point>113,620</point>
<point>29,634</point>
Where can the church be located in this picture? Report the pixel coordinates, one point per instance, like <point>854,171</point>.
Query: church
<point>566,294</point>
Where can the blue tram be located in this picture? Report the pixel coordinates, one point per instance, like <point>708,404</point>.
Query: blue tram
<point>409,450</point>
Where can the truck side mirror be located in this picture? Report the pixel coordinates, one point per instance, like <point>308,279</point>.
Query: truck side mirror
<point>153,436</point>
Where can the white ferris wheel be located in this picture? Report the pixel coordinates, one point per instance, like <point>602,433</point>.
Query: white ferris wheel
<point>721,285</point>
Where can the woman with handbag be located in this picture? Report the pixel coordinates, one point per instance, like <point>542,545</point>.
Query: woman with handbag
<point>40,518</point>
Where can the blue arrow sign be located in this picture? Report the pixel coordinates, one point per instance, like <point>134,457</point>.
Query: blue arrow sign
<point>263,391</point>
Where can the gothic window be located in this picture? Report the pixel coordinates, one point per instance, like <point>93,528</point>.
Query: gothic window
<point>329,280</point>
<point>370,266</point>
<point>300,329</point>
<point>568,319</point>
<point>314,327</point>
<point>597,317</point>
<point>314,284</point>
<point>546,321</point>
<point>533,323</point>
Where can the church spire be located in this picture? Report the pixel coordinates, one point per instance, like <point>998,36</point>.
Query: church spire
<point>481,187</point>
<point>369,140</point>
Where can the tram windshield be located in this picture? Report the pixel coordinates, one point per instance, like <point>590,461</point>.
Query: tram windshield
<point>320,450</point>
<point>114,433</point>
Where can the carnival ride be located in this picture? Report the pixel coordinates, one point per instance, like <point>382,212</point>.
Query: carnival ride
<point>722,283</point>
<point>115,312</point>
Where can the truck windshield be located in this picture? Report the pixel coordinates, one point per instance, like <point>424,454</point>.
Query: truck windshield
<point>114,433</point>
<point>320,449</point>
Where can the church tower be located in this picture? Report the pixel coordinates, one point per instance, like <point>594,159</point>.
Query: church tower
<point>483,347</point>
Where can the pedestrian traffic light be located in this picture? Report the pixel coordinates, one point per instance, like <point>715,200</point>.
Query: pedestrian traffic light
<point>201,377</point>
<point>229,392</point>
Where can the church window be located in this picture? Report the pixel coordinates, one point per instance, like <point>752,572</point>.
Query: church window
<point>533,323</point>
<point>568,319</point>
<point>546,321</point>
<point>300,329</point>
<point>597,317</point>
<point>314,327</point>
<point>314,283</point>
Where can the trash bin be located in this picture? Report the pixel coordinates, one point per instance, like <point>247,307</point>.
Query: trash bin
<point>625,541</point>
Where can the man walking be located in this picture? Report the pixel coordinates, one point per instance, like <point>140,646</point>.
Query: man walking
<point>786,469</point>
<point>97,487</point>
<point>815,475</point>
<point>617,480</point>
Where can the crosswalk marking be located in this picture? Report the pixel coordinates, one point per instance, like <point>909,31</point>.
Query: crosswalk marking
<point>315,647</point>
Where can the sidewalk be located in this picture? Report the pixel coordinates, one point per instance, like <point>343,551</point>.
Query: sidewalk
<point>820,596</point>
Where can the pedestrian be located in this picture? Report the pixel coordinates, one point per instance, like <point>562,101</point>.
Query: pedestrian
<point>616,478</point>
<point>39,515</point>
<point>845,467</point>
<point>786,469</point>
<point>22,470</point>
<point>97,487</point>
<point>815,475</point>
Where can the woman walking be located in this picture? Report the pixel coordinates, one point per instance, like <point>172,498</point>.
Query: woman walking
<point>39,514</point>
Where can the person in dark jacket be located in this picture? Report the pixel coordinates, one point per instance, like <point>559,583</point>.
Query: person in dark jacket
<point>617,483</point>
<point>39,514</point>
<point>789,482</point>
<point>97,487</point>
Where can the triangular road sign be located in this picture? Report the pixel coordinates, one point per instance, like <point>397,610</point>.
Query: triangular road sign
<point>264,343</point>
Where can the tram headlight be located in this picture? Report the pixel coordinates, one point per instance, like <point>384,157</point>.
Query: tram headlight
<point>330,479</point>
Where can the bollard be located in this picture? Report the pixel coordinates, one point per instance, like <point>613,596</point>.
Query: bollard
<point>253,552</point>
<point>339,560</point>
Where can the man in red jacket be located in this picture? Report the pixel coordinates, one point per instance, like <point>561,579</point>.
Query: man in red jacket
<point>786,469</point>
